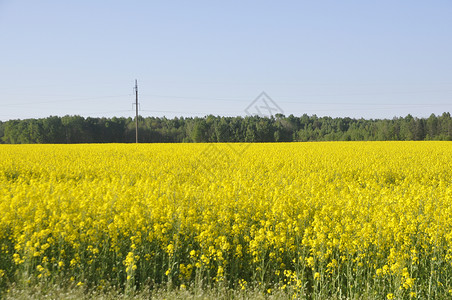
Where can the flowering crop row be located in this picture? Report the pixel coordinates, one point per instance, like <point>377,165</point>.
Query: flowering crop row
<point>325,219</point>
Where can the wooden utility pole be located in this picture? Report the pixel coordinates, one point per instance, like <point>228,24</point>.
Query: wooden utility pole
<point>136,107</point>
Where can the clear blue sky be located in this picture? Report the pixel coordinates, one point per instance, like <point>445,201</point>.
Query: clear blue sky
<point>371,59</point>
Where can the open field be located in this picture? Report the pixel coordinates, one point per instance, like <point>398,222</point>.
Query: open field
<point>305,220</point>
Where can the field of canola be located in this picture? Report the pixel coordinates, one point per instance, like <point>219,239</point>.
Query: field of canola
<point>314,220</point>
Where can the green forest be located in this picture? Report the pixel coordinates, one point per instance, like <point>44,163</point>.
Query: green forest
<point>278,128</point>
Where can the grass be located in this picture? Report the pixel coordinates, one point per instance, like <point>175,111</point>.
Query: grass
<point>72,292</point>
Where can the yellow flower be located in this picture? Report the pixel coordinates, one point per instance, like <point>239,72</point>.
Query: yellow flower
<point>273,208</point>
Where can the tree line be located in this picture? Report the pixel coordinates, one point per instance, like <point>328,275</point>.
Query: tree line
<point>278,128</point>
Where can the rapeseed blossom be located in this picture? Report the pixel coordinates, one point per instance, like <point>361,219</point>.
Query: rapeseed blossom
<point>300,217</point>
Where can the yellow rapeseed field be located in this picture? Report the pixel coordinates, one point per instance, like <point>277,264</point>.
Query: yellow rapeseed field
<point>325,219</point>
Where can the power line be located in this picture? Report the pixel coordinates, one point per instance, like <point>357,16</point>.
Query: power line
<point>307,102</point>
<point>65,101</point>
